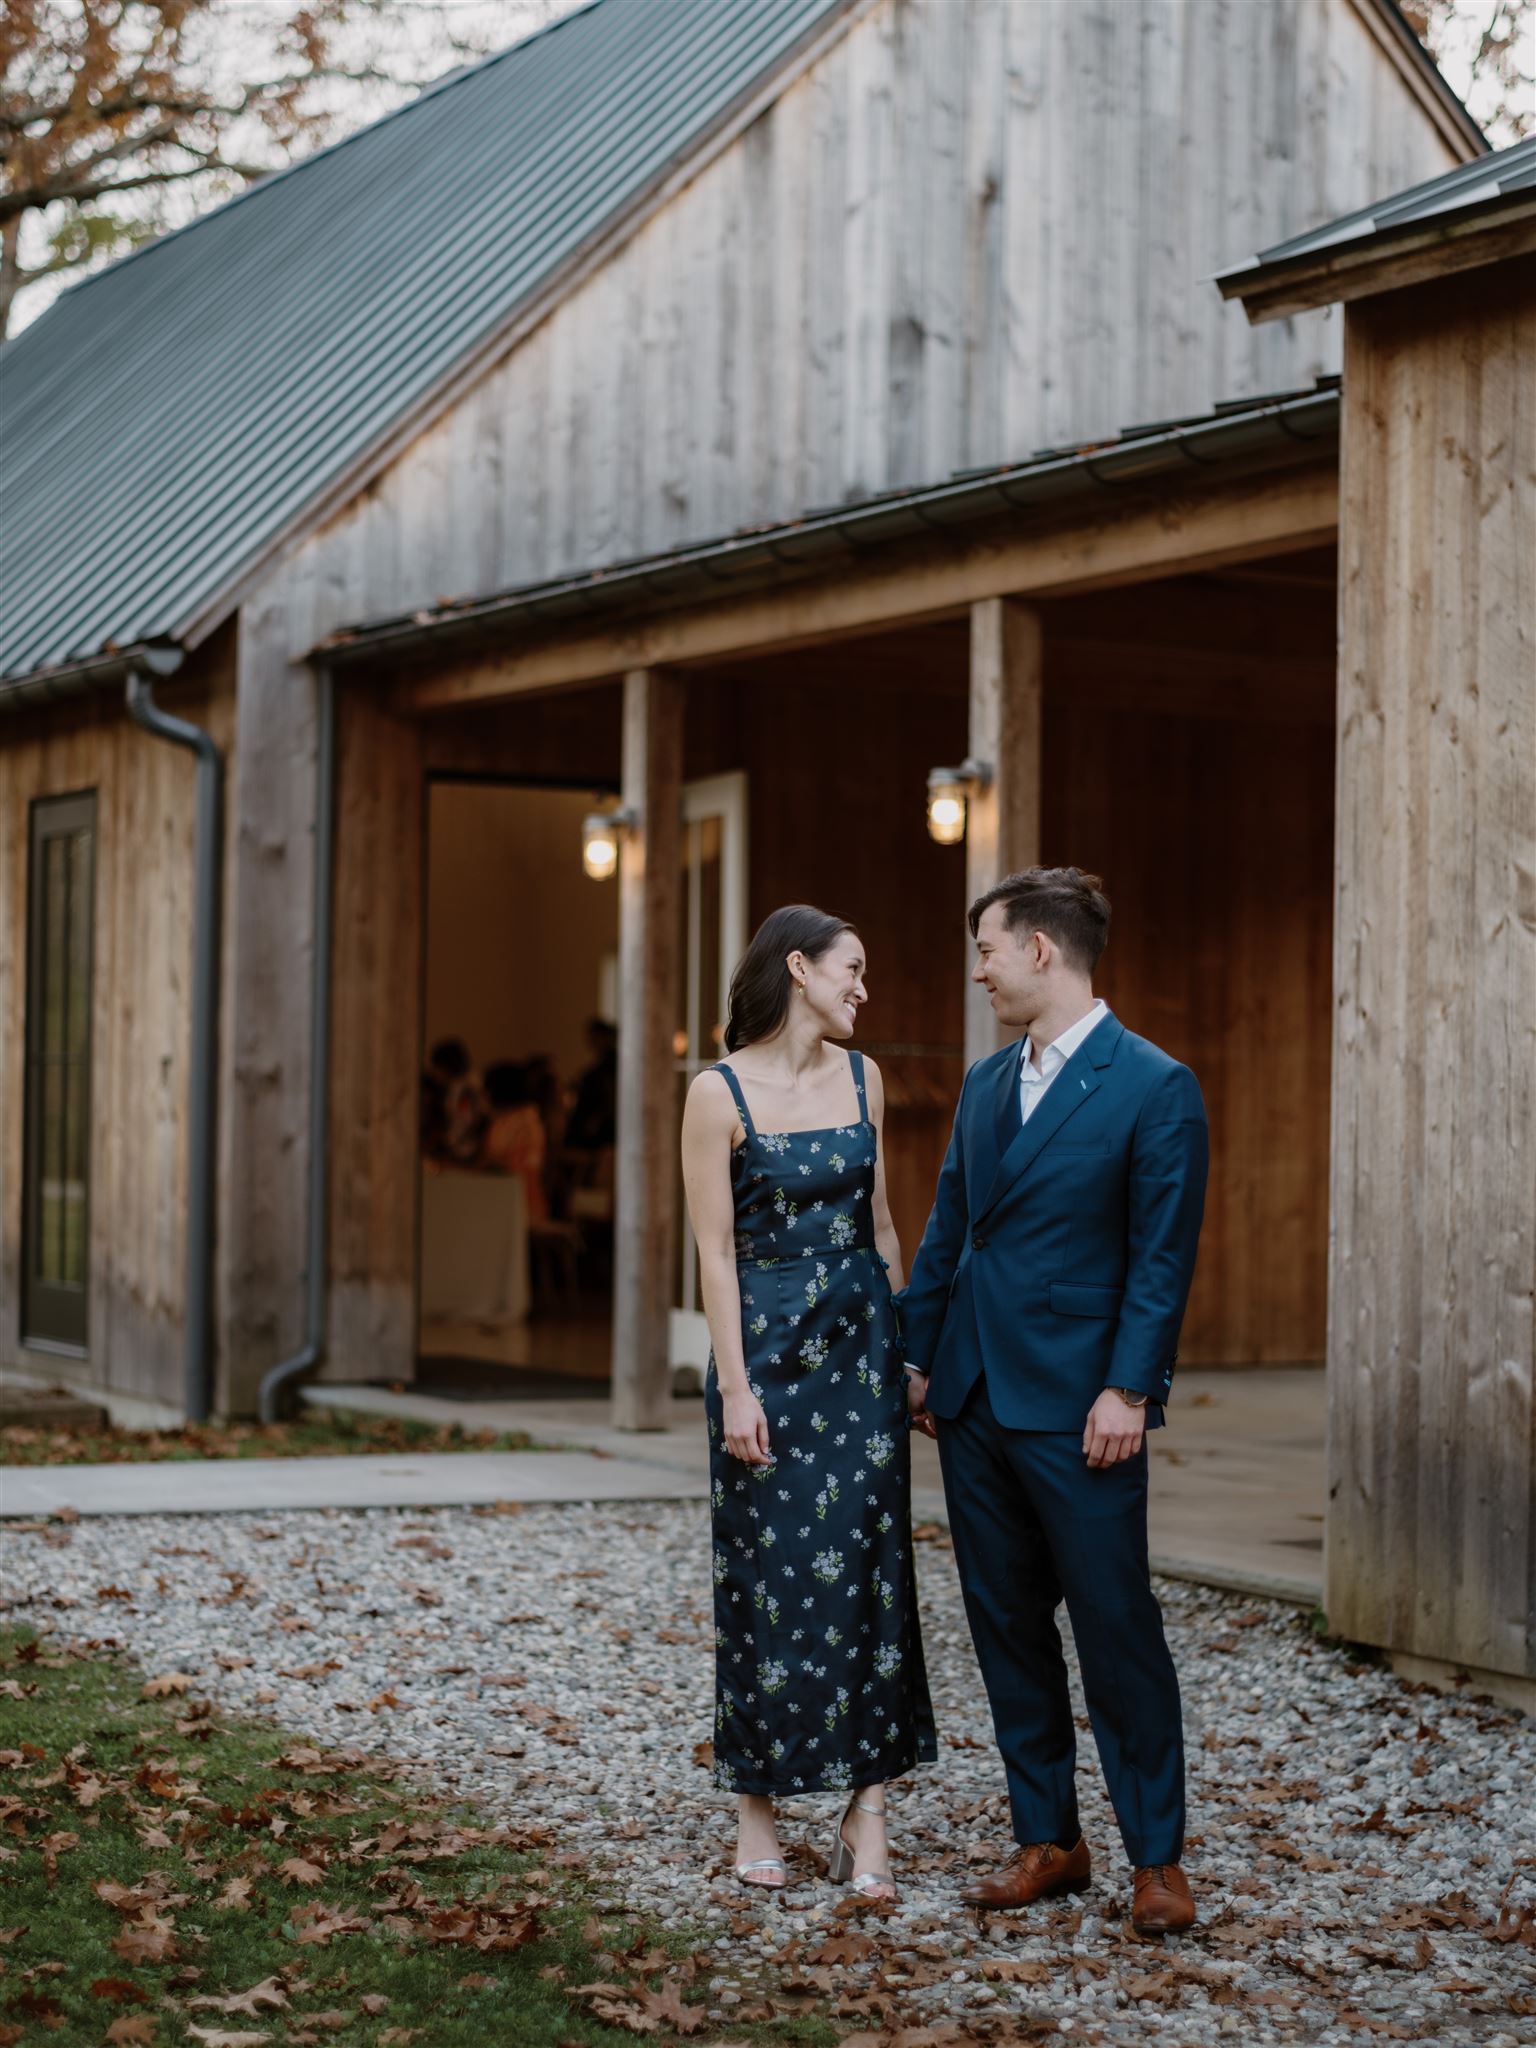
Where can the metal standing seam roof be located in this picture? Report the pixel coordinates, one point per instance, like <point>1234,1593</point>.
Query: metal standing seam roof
<point>1486,182</point>
<point>171,415</point>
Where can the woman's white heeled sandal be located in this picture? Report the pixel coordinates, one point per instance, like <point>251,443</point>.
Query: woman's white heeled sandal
<point>763,1884</point>
<point>869,1884</point>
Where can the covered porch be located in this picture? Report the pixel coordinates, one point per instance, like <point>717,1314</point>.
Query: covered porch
<point>1137,644</point>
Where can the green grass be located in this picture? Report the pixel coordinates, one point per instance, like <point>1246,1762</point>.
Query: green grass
<point>318,1433</point>
<point>249,1855</point>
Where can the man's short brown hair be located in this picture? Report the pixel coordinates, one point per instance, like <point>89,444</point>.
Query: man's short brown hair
<point>1069,906</point>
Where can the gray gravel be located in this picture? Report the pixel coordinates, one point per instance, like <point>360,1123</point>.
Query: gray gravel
<point>1354,1840</point>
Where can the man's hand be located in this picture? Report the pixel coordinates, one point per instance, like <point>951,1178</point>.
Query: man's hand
<point>1115,1430</point>
<point>917,1403</point>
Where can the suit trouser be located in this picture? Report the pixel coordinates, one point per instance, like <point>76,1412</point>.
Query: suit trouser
<point>1032,1525</point>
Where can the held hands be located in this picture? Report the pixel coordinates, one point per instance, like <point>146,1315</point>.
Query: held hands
<point>917,1404</point>
<point>746,1429</point>
<point>1115,1430</point>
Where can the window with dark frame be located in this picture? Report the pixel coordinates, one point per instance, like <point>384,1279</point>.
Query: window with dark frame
<point>56,1176</point>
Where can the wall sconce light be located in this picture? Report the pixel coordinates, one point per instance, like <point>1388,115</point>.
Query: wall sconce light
<point>600,835</point>
<point>949,790</point>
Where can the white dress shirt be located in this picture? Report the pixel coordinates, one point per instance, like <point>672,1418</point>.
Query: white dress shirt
<point>1033,1082</point>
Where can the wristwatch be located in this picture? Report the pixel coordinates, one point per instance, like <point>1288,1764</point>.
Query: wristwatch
<point>1130,1397</point>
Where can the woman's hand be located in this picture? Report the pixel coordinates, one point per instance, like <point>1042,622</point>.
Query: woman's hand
<point>917,1403</point>
<point>746,1429</point>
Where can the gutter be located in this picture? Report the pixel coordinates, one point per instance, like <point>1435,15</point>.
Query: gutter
<point>1256,432</point>
<point>143,667</point>
<point>271,1398</point>
<point>96,671</point>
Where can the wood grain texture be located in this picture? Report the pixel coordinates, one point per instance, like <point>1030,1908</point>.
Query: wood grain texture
<point>377,940</point>
<point>1432,1424</point>
<point>139,1024</point>
<point>1102,545</point>
<point>1002,827</point>
<point>645,1172</point>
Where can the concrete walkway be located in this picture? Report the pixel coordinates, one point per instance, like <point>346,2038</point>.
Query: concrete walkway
<point>404,1479</point>
<point>1237,1479</point>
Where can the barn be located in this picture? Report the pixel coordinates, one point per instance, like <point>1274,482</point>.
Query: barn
<point>793,452</point>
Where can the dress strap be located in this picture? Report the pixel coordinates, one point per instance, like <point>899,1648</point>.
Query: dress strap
<point>856,1061</point>
<point>729,1074</point>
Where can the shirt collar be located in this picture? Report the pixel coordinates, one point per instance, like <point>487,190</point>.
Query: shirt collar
<point>1068,1042</point>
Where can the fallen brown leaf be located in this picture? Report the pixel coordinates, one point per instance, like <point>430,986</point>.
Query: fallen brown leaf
<point>120,1990</point>
<point>168,1683</point>
<point>131,2026</point>
<point>271,1993</point>
<point>146,1941</point>
<point>221,2037</point>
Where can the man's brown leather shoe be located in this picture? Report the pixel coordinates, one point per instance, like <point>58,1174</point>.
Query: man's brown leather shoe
<point>1038,1870</point>
<point>1163,1903</point>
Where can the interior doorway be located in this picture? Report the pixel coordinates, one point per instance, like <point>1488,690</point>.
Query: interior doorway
<point>518,1073</point>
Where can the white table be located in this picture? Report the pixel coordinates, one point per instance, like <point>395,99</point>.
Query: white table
<point>474,1247</point>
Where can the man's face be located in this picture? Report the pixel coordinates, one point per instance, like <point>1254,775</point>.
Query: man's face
<point>1009,967</point>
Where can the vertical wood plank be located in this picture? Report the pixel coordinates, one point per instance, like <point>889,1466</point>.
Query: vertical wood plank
<point>645,1178</point>
<point>1432,1439</point>
<point>1003,820</point>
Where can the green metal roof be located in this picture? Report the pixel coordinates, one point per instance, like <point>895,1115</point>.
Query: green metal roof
<point>1487,187</point>
<point>168,418</point>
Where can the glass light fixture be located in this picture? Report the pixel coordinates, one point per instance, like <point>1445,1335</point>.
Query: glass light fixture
<point>949,794</point>
<point>600,835</point>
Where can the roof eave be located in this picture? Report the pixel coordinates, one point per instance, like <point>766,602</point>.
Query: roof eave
<point>1388,260</point>
<point>1299,427</point>
<point>91,672</point>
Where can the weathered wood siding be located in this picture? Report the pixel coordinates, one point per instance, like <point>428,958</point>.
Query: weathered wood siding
<point>139,1023</point>
<point>973,229</point>
<point>1432,1439</point>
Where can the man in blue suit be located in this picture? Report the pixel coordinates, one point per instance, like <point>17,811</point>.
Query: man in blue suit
<point>1041,1326</point>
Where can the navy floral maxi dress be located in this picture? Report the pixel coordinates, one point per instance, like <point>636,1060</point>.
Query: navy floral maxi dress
<point>819,1678</point>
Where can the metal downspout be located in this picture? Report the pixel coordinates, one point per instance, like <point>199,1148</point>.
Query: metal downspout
<point>271,1396</point>
<point>207,855</point>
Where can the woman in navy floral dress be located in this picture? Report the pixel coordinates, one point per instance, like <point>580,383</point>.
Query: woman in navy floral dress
<point>820,1683</point>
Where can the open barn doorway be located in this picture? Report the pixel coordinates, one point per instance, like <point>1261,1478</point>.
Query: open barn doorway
<point>518,1089</point>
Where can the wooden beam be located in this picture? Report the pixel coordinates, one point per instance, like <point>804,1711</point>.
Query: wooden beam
<point>1165,536</point>
<point>645,1196</point>
<point>1002,830</point>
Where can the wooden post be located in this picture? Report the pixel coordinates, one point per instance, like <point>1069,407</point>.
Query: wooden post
<point>1003,821</point>
<point>1431,1538</point>
<point>645,1192</point>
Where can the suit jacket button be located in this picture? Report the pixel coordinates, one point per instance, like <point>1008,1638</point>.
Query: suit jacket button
<point>977,1243</point>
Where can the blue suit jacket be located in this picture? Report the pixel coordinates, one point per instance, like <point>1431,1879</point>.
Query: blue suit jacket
<point>1059,1253</point>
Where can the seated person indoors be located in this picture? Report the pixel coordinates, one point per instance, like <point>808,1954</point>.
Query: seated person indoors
<point>453,1104</point>
<point>514,1134</point>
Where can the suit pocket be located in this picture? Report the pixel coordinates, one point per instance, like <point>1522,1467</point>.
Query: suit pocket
<point>1085,1301</point>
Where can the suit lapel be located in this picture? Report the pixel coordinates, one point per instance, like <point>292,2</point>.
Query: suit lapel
<point>1078,1079</point>
<point>998,1121</point>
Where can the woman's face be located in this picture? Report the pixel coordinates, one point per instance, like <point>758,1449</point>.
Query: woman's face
<point>834,985</point>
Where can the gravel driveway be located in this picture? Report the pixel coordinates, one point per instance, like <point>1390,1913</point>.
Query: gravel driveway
<point>1364,1853</point>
